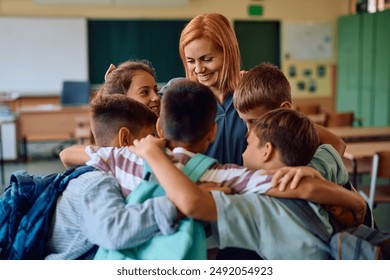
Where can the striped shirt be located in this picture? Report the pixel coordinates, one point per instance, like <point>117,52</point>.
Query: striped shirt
<point>128,168</point>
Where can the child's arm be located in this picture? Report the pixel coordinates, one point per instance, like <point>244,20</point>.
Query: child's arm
<point>74,155</point>
<point>327,137</point>
<point>196,203</point>
<point>191,200</point>
<point>325,192</point>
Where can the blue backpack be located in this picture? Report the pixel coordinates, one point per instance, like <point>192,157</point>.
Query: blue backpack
<point>187,243</point>
<point>357,243</point>
<point>26,210</point>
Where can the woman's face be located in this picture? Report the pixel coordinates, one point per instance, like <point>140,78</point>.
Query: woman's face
<point>144,89</point>
<point>204,61</point>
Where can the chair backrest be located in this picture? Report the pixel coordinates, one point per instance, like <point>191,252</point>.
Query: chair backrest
<point>75,93</point>
<point>309,109</point>
<point>340,119</point>
<point>380,170</point>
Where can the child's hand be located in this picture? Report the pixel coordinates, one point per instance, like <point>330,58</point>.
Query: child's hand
<point>346,217</point>
<point>147,146</point>
<point>283,176</point>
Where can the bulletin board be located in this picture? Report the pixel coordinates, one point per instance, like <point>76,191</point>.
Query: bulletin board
<point>308,59</point>
<point>310,78</point>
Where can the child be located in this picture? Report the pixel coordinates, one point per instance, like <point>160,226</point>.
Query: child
<point>92,209</point>
<point>137,80</point>
<point>187,122</point>
<point>264,88</point>
<point>116,120</point>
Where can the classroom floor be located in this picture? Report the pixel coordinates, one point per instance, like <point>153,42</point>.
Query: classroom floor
<point>43,161</point>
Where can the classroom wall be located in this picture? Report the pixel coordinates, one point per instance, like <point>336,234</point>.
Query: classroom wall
<point>285,11</point>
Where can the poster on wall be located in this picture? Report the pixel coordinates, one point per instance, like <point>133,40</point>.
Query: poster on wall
<point>310,78</point>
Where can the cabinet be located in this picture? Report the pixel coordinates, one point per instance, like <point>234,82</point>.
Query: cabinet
<point>364,67</point>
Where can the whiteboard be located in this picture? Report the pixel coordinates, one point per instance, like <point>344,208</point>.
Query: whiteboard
<point>310,41</point>
<point>38,54</point>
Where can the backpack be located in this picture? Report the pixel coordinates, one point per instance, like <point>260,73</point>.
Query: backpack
<point>355,243</point>
<point>360,243</point>
<point>26,210</point>
<point>187,243</point>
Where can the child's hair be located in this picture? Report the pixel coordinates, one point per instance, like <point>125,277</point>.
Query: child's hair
<point>290,132</point>
<point>188,111</point>
<point>219,30</point>
<point>119,80</point>
<point>264,85</point>
<point>111,112</point>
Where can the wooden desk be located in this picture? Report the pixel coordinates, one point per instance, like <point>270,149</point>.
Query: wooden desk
<point>17,101</point>
<point>362,134</point>
<point>357,151</point>
<point>49,122</point>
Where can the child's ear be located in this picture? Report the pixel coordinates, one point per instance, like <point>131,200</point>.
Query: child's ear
<point>268,151</point>
<point>125,137</point>
<point>286,105</point>
<point>159,130</point>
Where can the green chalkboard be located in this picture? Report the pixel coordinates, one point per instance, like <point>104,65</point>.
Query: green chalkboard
<point>259,42</point>
<point>115,41</point>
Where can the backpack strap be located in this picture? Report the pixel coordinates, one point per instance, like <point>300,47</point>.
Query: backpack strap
<point>194,168</point>
<point>197,166</point>
<point>312,222</point>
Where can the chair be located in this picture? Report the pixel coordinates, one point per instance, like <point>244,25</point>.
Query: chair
<point>83,133</point>
<point>337,119</point>
<point>346,119</point>
<point>309,109</point>
<point>75,93</point>
<point>313,112</point>
<point>378,192</point>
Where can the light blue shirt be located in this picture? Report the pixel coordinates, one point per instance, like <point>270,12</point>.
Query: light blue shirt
<point>93,211</point>
<point>266,225</point>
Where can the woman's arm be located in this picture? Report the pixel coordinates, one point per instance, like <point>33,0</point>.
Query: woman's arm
<point>74,155</point>
<point>191,200</point>
<point>327,137</point>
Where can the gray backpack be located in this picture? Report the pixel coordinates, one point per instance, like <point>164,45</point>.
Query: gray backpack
<point>356,243</point>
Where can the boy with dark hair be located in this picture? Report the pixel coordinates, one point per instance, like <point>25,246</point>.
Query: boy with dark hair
<point>116,120</point>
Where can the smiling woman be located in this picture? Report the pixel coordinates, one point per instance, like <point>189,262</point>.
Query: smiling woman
<point>209,51</point>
